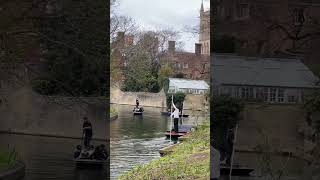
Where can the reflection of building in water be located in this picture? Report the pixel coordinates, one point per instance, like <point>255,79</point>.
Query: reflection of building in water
<point>204,37</point>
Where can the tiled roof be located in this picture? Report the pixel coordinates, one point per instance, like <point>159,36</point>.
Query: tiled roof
<point>240,70</point>
<point>188,84</point>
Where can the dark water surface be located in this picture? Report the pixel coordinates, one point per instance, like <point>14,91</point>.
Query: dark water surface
<point>49,158</point>
<point>136,140</point>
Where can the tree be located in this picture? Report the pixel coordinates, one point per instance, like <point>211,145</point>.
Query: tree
<point>143,60</point>
<point>164,73</point>
<point>76,45</point>
<point>225,113</point>
<point>178,99</point>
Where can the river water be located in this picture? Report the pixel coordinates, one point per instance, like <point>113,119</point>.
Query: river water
<point>49,158</point>
<point>136,140</point>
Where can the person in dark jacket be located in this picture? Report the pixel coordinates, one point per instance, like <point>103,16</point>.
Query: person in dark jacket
<point>137,103</point>
<point>87,131</point>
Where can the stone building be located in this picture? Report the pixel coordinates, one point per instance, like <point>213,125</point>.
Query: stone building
<point>187,86</point>
<point>269,28</point>
<point>194,66</point>
<point>204,34</point>
<point>271,80</point>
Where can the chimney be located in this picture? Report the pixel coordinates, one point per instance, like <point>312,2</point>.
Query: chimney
<point>172,46</point>
<point>197,48</point>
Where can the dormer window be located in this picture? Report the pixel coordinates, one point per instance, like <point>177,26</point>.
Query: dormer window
<point>242,11</point>
<point>298,16</point>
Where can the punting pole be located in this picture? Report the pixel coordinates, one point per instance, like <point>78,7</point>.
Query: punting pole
<point>232,155</point>
<point>170,130</point>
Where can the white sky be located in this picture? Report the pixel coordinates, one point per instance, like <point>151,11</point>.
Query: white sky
<point>165,14</point>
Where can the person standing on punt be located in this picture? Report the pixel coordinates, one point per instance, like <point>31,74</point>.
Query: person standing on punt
<point>87,131</point>
<point>137,103</point>
<point>175,115</point>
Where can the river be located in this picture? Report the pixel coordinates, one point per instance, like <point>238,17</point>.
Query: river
<point>136,140</point>
<point>49,158</point>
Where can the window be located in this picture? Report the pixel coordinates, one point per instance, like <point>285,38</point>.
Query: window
<point>250,93</point>
<point>220,11</point>
<point>247,93</point>
<point>185,65</point>
<point>291,99</point>
<point>273,93</point>
<point>298,16</point>
<point>236,92</point>
<point>242,10</point>
<point>266,94</point>
<point>226,91</point>
<point>259,93</point>
<point>244,92</point>
<point>280,95</point>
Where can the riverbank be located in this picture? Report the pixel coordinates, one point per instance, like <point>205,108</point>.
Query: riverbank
<point>5,162</point>
<point>189,160</point>
<point>10,167</point>
<point>113,114</point>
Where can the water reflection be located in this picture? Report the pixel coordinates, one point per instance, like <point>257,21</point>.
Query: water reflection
<point>136,140</point>
<point>50,158</point>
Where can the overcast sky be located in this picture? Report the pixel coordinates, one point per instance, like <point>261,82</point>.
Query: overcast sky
<point>165,14</point>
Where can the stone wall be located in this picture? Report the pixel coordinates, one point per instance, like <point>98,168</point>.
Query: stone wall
<point>129,98</point>
<point>192,102</point>
<point>279,122</point>
<point>23,110</point>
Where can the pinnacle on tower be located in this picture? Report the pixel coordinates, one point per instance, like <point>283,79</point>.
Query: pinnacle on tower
<point>201,9</point>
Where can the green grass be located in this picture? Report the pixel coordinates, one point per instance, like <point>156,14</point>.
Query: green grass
<point>113,111</point>
<point>7,159</point>
<point>189,160</point>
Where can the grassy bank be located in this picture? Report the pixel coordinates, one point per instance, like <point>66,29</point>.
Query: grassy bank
<point>190,160</point>
<point>113,111</point>
<point>7,159</point>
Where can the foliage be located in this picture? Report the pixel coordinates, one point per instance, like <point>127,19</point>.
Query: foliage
<point>45,86</point>
<point>141,71</point>
<point>312,105</point>
<point>178,99</point>
<point>225,114</point>
<point>265,158</point>
<point>8,158</point>
<point>189,160</point>
<point>113,111</point>
<point>164,73</point>
<point>76,47</point>
<point>166,85</point>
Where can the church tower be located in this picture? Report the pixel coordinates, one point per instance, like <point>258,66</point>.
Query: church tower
<point>204,35</point>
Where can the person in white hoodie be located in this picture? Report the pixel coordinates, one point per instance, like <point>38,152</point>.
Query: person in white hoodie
<point>175,115</point>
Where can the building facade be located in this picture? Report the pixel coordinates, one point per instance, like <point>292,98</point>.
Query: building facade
<point>194,66</point>
<point>187,86</point>
<point>270,80</point>
<point>269,28</point>
<point>204,34</point>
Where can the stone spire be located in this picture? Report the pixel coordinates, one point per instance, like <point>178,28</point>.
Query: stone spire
<point>201,9</point>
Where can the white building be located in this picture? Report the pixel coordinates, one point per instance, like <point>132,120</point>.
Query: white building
<point>271,80</point>
<point>187,86</point>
